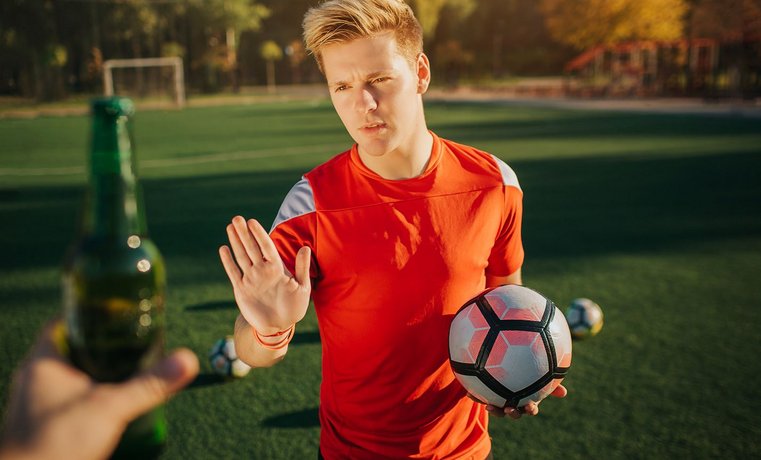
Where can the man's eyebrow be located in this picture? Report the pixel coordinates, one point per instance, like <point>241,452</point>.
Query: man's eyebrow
<point>369,76</point>
<point>377,73</point>
<point>337,83</point>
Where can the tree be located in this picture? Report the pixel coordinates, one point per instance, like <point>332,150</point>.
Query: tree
<point>271,52</point>
<point>726,20</point>
<point>508,37</point>
<point>586,23</point>
<point>284,26</point>
<point>135,22</point>
<point>30,44</point>
<point>225,20</point>
<point>296,56</point>
<point>429,11</point>
<point>736,24</point>
<point>451,56</point>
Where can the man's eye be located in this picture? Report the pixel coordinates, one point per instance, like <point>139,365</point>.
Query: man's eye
<point>380,79</point>
<point>340,88</point>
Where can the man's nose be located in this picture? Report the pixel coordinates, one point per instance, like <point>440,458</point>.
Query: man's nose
<point>366,101</point>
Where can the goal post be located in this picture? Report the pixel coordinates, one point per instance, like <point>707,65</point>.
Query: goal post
<point>175,63</point>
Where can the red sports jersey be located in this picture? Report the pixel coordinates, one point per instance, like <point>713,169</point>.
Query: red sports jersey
<point>392,262</point>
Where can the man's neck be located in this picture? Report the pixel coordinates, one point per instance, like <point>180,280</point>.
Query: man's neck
<point>403,163</point>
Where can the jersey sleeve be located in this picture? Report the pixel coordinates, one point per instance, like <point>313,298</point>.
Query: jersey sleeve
<point>294,227</point>
<point>507,254</point>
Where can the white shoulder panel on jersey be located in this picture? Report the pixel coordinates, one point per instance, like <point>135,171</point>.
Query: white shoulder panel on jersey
<point>299,201</point>
<point>508,175</point>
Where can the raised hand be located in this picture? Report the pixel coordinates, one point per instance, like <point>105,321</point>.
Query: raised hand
<point>269,298</point>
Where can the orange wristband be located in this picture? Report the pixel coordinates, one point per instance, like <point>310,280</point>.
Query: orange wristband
<point>277,345</point>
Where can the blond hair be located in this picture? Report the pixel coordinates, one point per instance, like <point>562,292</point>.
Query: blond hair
<point>341,21</point>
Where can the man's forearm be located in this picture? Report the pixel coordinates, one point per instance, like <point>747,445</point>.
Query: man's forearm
<point>515,278</point>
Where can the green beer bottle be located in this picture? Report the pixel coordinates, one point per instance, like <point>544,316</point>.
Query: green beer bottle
<point>114,277</point>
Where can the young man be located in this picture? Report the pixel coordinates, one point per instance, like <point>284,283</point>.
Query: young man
<point>389,238</point>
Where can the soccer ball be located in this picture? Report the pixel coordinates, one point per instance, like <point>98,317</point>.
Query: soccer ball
<point>509,345</point>
<point>224,361</point>
<point>584,318</point>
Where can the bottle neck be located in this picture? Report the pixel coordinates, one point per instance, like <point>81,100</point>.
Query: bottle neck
<point>114,203</point>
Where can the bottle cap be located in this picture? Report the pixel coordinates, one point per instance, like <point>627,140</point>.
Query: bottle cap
<point>115,106</point>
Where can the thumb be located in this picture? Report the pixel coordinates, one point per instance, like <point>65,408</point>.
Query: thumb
<point>559,392</point>
<point>303,259</point>
<point>155,385</point>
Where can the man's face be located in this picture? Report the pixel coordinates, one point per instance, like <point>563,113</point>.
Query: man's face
<point>376,92</point>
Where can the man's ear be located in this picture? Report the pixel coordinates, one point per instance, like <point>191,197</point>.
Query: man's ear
<point>423,67</point>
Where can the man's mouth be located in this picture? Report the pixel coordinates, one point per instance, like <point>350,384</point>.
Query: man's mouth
<point>373,126</point>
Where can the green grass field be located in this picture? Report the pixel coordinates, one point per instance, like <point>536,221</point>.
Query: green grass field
<point>656,217</point>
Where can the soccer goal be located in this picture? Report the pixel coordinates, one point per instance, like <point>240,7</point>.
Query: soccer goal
<point>145,78</point>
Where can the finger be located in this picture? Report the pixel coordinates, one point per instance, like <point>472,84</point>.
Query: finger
<point>152,387</point>
<point>51,341</point>
<point>560,392</point>
<point>241,256</point>
<point>495,411</point>
<point>231,268</point>
<point>44,348</point>
<point>266,246</point>
<point>531,408</point>
<point>512,412</point>
<point>303,258</point>
<point>250,244</point>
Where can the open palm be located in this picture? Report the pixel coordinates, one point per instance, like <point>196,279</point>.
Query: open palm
<point>268,296</point>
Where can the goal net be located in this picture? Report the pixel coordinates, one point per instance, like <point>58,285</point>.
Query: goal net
<point>152,80</point>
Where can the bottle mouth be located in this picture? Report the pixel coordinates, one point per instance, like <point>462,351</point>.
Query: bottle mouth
<point>114,106</point>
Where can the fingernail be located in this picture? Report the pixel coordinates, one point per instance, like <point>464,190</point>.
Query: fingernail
<point>171,368</point>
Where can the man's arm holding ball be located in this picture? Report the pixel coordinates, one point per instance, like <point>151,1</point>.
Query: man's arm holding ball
<point>531,408</point>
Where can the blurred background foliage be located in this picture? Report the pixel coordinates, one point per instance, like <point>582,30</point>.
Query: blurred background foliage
<point>51,49</point>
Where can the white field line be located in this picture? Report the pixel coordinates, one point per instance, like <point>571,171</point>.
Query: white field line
<point>185,161</point>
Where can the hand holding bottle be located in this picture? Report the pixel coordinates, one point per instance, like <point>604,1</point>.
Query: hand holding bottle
<point>268,296</point>
<point>114,278</point>
<point>57,411</point>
